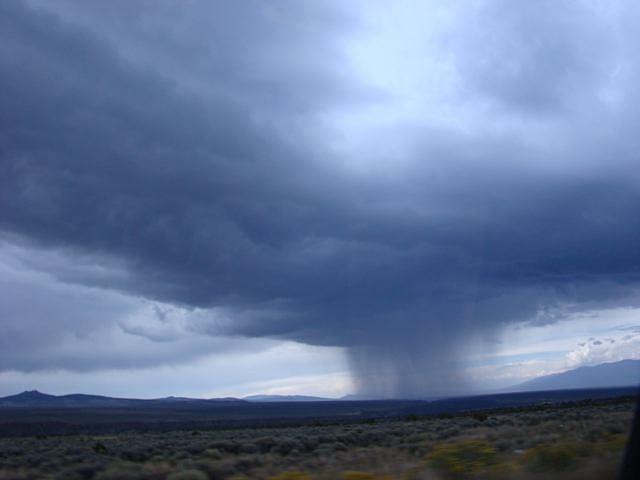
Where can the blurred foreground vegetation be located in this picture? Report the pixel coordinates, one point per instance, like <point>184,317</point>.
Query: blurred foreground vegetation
<point>585,441</point>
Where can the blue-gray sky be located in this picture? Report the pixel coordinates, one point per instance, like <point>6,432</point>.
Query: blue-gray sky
<point>386,190</point>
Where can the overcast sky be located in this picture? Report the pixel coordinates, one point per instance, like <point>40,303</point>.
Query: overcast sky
<point>397,199</point>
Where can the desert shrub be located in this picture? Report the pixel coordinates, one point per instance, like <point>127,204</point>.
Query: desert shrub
<point>339,447</point>
<point>508,421</point>
<point>188,475</point>
<point>73,451</point>
<point>615,428</point>
<point>350,438</point>
<point>35,460</point>
<point>246,463</point>
<point>157,469</point>
<point>309,443</point>
<point>249,448</point>
<point>615,443</point>
<point>265,444</point>
<point>326,438</point>
<point>21,475</point>
<point>286,446</point>
<point>414,438</point>
<point>120,472</point>
<point>291,476</point>
<point>231,446</point>
<point>324,449</point>
<point>135,455</point>
<point>462,458</point>
<point>213,453</point>
<point>530,420</point>
<point>449,432</point>
<point>217,469</point>
<point>556,457</point>
<point>195,449</point>
<point>480,417</point>
<point>87,470</point>
<point>503,445</point>
<point>353,475</point>
<point>180,455</point>
<point>99,447</point>
<point>595,434</point>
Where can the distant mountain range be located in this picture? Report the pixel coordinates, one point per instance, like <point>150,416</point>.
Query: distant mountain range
<point>310,398</point>
<point>286,398</point>
<point>34,398</point>
<point>615,374</point>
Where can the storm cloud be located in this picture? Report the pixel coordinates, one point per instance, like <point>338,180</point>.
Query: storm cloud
<point>248,161</point>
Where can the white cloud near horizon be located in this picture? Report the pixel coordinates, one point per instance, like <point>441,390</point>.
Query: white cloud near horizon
<point>584,339</point>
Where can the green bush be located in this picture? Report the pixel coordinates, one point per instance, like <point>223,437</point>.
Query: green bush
<point>460,459</point>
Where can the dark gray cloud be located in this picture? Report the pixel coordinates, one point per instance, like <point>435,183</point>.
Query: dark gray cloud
<point>192,147</point>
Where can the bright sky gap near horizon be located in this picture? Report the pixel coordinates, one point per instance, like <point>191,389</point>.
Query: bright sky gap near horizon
<point>399,199</point>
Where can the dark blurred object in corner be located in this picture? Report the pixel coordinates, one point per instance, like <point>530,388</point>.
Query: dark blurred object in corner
<point>631,464</point>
